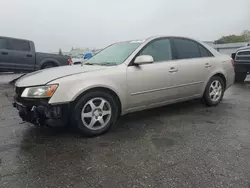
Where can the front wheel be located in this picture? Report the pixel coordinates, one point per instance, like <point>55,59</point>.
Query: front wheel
<point>95,113</point>
<point>214,91</point>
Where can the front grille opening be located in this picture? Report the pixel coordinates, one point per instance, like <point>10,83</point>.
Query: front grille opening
<point>244,53</point>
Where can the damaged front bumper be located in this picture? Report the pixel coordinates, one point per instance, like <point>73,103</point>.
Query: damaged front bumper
<point>40,112</point>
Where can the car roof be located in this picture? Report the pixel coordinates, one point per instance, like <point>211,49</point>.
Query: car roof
<point>14,38</point>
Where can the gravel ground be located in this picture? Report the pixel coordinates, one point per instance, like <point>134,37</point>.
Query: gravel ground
<point>181,145</point>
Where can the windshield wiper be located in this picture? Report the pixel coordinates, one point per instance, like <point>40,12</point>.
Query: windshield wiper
<point>88,64</point>
<point>108,63</point>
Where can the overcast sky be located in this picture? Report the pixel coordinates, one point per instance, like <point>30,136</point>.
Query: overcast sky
<point>55,24</point>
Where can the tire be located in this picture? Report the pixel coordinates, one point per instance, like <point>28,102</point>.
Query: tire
<point>91,125</point>
<point>214,93</point>
<point>240,76</point>
<point>49,65</point>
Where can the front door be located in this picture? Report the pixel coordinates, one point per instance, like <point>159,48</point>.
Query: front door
<point>150,84</point>
<point>21,54</point>
<point>4,55</point>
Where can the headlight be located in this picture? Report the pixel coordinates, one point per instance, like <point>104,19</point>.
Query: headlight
<point>39,91</point>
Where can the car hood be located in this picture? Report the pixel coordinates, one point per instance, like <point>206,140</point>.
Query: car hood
<point>244,48</point>
<point>42,77</point>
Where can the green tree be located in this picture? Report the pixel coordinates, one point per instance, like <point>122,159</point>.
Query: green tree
<point>244,37</point>
<point>60,52</point>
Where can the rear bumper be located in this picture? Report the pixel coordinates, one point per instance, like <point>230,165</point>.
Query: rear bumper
<point>39,112</point>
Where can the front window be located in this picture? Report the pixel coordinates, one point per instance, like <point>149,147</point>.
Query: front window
<point>115,54</point>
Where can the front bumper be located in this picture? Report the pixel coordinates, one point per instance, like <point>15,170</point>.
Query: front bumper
<point>39,112</point>
<point>242,67</point>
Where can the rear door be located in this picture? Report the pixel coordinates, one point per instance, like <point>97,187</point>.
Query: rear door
<point>193,63</point>
<point>21,55</point>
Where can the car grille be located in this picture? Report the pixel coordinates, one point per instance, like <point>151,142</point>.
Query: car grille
<point>244,53</point>
<point>243,56</point>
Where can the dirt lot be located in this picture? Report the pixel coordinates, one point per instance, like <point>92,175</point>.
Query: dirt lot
<point>181,145</point>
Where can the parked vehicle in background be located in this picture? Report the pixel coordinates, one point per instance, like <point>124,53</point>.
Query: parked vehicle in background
<point>77,59</point>
<point>82,58</point>
<point>18,55</point>
<point>242,63</point>
<point>124,77</point>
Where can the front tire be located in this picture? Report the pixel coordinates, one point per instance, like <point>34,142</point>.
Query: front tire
<point>214,91</point>
<point>95,113</point>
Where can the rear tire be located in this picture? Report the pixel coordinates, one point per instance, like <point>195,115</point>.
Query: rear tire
<point>49,65</point>
<point>240,76</point>
<point>214,91</point>
<point>94,113</point>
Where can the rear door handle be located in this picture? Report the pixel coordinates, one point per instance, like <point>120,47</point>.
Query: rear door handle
<point>5,53</point>
<point>173,69</point>
<point>29,55</point>
<point>207,65</point>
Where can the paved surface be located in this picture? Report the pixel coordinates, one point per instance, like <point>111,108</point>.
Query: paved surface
<point>182,145</point>
<point>7,77</point>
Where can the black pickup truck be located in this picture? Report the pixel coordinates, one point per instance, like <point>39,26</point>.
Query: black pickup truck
<point>242,63</point>
<point>18,55</point>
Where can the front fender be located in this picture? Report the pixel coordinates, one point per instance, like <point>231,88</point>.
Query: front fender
<point>68,91</point>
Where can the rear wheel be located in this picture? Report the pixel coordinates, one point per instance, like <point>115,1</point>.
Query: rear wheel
<point>240,76</point>
<point>48,65</point>
<point>95,113</point>
<point>214,91</point>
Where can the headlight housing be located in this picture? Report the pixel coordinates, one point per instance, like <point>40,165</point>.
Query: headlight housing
<point>39,91</point>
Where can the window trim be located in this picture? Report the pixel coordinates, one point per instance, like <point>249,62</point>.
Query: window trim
<point>131,63</point>
<point>197,43</point>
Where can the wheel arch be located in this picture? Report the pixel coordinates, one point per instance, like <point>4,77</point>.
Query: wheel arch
<point>222,77</point>
<point>104,89</point>
<point>48,61</point>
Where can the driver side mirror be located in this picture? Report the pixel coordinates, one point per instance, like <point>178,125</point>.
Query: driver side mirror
<point>143,59</point>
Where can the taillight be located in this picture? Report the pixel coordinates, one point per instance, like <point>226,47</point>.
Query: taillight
<point>70,61</point>
<point>233,62</point>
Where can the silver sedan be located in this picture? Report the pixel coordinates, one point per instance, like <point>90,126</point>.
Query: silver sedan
<point>124,77</point>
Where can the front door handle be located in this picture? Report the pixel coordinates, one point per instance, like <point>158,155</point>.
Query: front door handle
<point>5,53</point>
<point>207,65</point>
<point>29,55</point>
<point>173,69</point>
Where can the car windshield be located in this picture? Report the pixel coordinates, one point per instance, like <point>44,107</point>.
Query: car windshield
<point>114,54</point>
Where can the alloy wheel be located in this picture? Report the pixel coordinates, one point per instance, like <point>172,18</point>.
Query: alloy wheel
<point>215,90</point>
<point>96,113</point>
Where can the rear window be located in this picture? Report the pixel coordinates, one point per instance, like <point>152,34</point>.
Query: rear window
<point>19,45</point>
<point>186,49</point>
